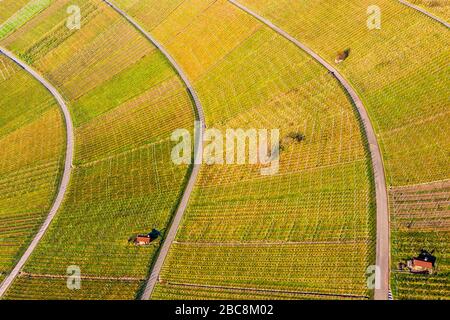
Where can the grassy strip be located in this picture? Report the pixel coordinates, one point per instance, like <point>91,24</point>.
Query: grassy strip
<point>22,16</point>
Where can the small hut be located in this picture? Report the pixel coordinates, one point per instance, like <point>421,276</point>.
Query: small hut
<point>146,239</point>
<point>342,56</point>
<point>424,263</point>
<point>142,240</point>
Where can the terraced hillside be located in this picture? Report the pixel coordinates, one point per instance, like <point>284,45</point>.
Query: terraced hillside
<point>125,99</point>
<point>401,72</point>
<point>305,231</point>
<point>31,159</point>
<point>245,234</point>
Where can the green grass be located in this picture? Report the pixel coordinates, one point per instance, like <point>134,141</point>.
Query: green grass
<point>146,73</point>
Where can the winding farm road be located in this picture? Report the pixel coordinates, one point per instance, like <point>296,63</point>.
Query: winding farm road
<point>198,152</point>
<point>382,242</point>
<point>406,3</point>
<point>65,177</point>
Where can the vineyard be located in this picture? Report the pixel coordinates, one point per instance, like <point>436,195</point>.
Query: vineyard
<point>405,100</point>
<point>421,218</point>
<point>31,140</point>
<point>318,207</point>
<point>188,292</point>
<point>402,78</point>
<point>125,100</point>
<point>308,231</point>
<point>440,8</point>
<point>51,289</point>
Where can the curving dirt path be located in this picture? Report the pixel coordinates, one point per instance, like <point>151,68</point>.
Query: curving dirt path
<point>406,3</point>
<point>65,177</point>
<point>382,242</point>
<point>198,152</point>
